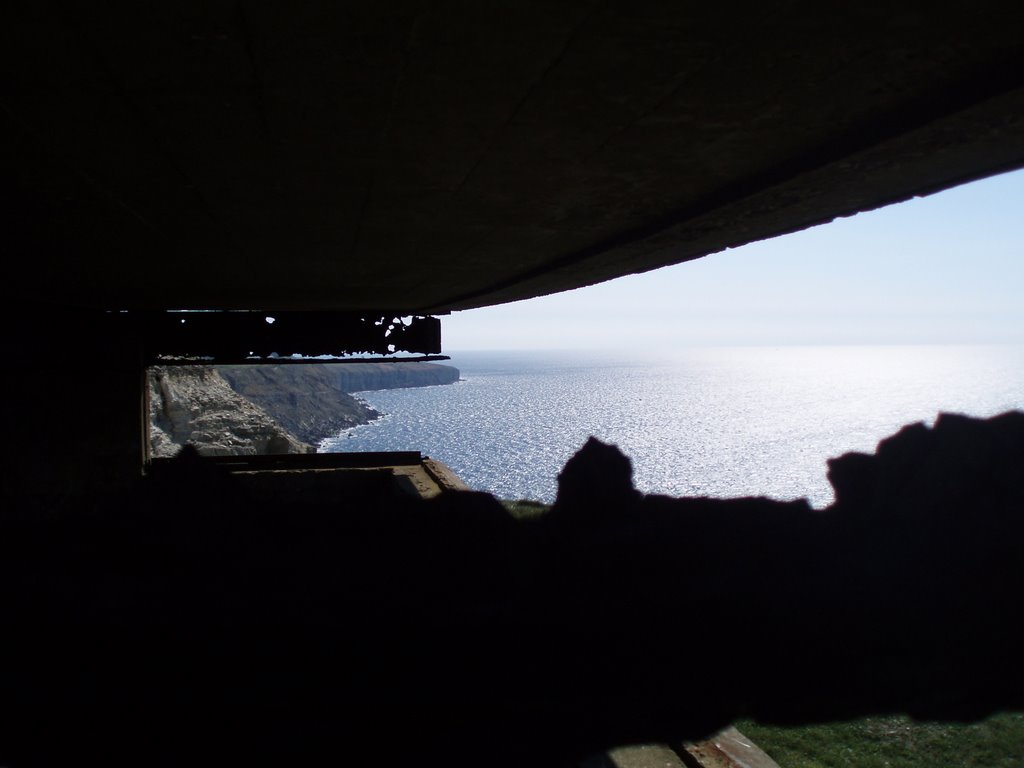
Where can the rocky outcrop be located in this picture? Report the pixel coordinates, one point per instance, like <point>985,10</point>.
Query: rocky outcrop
<point>302,398</point>
<point>195,405</point>
<point>257,409</point>
<point>311,400</point>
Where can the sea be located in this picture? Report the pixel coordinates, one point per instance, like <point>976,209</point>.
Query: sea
<point>716,422</point>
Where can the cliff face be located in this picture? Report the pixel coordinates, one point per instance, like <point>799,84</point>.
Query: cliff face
<point>363,377</point>
<point>311,400</point>
<point>303,398</point>
<point>196,405</point>
<point>258,409</point>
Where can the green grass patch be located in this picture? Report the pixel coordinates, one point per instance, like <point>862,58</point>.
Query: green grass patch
<point>524,508</point>
<point>895,742</point>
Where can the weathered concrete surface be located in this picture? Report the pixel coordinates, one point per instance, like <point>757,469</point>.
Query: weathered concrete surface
<point>418,480</point>
<point>287,487</point>
<point>644,756</point>
<point>387,155</point>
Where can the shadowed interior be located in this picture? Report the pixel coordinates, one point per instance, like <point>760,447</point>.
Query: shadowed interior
<point>383,159</point>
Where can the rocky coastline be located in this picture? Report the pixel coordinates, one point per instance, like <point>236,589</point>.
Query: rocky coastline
<point>257,409</point>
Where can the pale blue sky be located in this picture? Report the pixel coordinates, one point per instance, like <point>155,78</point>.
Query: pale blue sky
<point>947,268</point>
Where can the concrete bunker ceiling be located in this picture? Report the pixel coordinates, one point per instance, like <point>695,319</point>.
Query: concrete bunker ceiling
<point>336,156</point>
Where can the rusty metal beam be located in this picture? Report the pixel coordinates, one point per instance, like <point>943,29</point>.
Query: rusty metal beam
<point>253,337</point>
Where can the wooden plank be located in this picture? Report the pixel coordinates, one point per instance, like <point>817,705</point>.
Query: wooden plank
<point>729,749</point>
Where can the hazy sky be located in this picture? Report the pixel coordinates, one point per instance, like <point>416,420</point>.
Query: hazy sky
<point>947,268</point>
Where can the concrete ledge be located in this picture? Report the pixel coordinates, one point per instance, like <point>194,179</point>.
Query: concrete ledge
<point>443,475</point>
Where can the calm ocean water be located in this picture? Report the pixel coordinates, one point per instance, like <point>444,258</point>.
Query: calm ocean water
<point>706,422</point>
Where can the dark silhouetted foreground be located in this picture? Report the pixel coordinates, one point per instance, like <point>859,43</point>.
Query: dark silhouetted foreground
<point>198,623</point>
